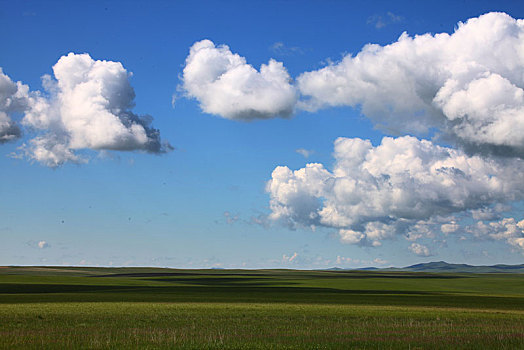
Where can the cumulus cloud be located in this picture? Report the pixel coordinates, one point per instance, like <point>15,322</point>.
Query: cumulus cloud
<point>484,214</point>
<point>507,229</point>
<point>225,85</point>
<point>449,227</point>
<point>87,106</point>
<point>468,84</point>
<point>14,98</point>
<point>419,249</point>
<point>423,228</point>
<point>375,192</point>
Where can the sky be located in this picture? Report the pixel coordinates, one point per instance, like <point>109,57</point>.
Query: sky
<point>261,134</point>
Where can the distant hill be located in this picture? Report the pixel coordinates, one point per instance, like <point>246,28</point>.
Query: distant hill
<point>442,266</point>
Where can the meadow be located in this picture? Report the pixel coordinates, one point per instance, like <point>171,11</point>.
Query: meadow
<point>149,308</point>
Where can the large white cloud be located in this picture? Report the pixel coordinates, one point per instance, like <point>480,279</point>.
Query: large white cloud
<point>469,84</point>
<point>419,249</point>
<point>374,192</point>
<point>88,107</point>
<point>14,98</point>
<point>225,85</point>
<point>508,229</point>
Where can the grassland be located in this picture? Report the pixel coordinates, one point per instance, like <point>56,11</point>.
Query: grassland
<point>47,308</point>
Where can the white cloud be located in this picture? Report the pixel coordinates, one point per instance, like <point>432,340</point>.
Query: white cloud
<point>421,228</point>
<point>466,86</point>
<point>350,236</point>
<point>380,21</point>
<point>88,107</point>
<point>51,151</point>
<point>469,84</point>
<point>42,244</point>
<point>402,185</point>
<point>225,85</point>
<point>484,214</point>
<point>380,261</point>
<point>449,227</point>
<point>14,98</point>
<point>279,48</point>
<point>419,249</point>
<point>507,229</point>
<point>345,260</point>
<point>304,152</point>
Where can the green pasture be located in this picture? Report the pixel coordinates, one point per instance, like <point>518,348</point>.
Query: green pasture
<point>99,308</point>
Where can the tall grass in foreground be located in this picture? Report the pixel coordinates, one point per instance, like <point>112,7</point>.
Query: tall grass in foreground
<point>253,326</point>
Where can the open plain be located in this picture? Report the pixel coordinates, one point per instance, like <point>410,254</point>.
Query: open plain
<point>101,308</point>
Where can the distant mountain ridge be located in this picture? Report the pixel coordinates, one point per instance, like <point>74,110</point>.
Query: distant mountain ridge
<point>442,266</point>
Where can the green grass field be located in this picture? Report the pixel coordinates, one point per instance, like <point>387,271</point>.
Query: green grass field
<point>97,308</point>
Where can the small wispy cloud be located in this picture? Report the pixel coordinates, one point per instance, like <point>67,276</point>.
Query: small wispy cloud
<point>279,48</point>
<point>260,220</point>
<point>380,261</point>
<point>346,260</point>
<point>38,244</point>
<point>289,259</point>
<point>304,152</point>
<point>231,218</point>
<point>380,21</point>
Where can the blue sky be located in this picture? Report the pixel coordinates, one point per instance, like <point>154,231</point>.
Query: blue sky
<point>207,191</point>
